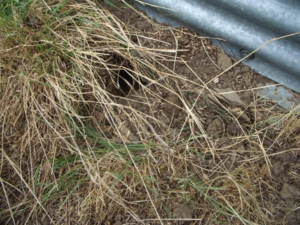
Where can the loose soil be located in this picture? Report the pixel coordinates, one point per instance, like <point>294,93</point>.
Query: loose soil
<point>197,63</point>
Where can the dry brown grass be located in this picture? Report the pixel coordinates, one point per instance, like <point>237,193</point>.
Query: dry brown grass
<point>59,103</point>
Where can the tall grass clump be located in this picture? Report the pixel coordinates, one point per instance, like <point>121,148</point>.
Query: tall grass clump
<point>58,92</point>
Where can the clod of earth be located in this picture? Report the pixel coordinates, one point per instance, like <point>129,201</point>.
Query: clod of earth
<point>172,103</point>
<point>277,169</point>
<point>224,61</point>
<point>142,25</point>
<point>183,211</point>
<point>289,191</point>
<point>215,127</point>
<point>234,128</point>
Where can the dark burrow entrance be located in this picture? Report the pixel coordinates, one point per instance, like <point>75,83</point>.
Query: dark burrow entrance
<point>126,82</point>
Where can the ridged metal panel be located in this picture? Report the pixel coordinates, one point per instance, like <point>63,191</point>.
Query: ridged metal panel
<point>245,25</point>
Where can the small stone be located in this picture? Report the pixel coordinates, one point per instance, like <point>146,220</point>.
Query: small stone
<point>246,69</point>
<point>217,80</point>
<point>224,62</point>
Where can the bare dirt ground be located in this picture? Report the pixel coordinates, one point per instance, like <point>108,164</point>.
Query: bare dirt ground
<point>276,184</point>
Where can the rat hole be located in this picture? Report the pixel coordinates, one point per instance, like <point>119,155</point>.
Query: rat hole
<point>126,82</point>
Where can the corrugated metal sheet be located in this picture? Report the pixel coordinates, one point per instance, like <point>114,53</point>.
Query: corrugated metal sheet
<point>245,25</point>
